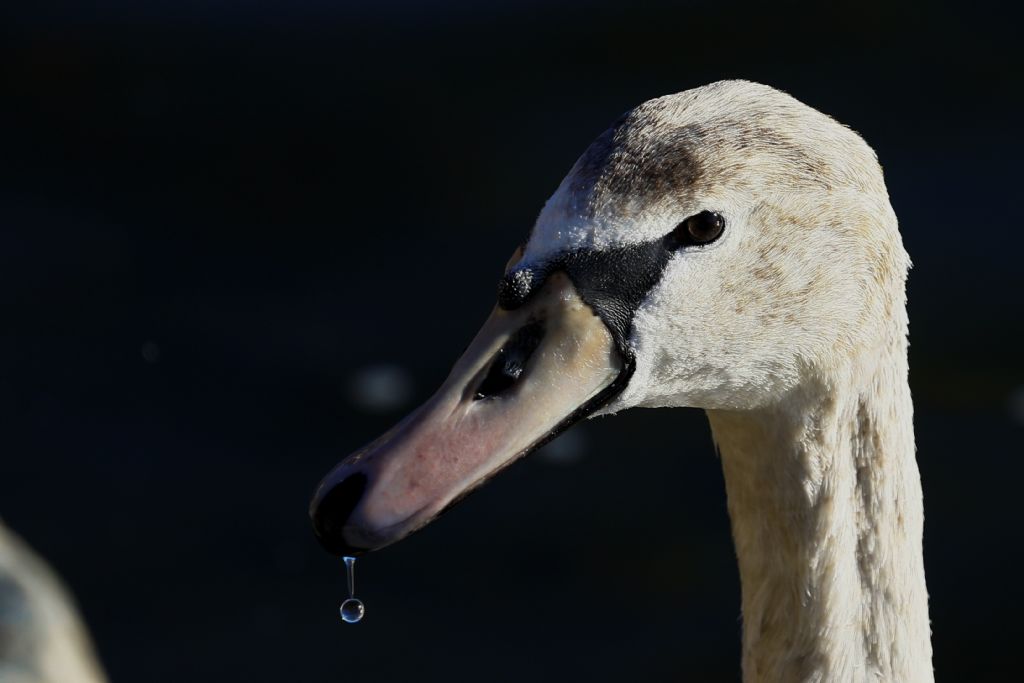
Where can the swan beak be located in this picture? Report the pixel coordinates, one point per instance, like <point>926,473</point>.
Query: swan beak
<point>529,373</point>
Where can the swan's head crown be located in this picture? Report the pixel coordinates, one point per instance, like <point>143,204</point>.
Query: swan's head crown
<point>599,311</point>
<point>809,270</point>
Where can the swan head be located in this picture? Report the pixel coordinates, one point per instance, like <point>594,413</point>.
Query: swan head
<point>715,249</point>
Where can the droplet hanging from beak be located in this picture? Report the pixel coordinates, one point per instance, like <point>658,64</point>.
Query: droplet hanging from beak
<point>352,610</point>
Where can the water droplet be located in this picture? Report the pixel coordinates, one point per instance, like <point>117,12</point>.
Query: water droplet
<point>352,610</point>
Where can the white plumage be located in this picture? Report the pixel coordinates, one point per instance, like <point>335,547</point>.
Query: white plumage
<point>789,328</point>
<point>42,639</point>
<point>792,332</point>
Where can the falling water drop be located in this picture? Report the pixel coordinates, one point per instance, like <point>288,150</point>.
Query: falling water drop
<point>352,610</point>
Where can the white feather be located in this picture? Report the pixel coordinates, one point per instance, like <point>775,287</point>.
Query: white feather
<point>791,330</point>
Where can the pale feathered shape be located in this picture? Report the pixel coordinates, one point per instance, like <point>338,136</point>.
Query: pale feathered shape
<point>791,330</point>
<point>42,639</point>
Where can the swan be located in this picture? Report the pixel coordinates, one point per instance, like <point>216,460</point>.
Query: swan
<point>42,639</point>
<point>732,249</point>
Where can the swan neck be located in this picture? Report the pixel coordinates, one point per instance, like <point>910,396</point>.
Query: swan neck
<point>826,510</point>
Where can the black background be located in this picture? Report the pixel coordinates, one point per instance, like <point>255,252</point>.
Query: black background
<point>216,215</point>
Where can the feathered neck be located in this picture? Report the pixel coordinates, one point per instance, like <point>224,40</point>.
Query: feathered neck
<point>826,509</point>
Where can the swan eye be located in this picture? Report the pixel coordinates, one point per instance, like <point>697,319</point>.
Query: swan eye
<point>702,228</point>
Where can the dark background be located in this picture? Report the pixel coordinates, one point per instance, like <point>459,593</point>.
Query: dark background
<point>223,224</point>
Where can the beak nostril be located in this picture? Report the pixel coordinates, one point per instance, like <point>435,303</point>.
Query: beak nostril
<point>508,365</point>
<point>333,511</point>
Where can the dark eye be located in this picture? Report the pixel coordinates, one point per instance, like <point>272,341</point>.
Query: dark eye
<point>702,228</point>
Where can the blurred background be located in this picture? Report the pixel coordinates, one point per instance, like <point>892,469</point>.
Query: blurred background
<point>218,221</point>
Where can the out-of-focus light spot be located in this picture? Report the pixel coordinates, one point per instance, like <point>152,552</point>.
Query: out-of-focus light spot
<point>568,449</point>
<point>382,388</point>
<point>1016,405</point>
<point>150,352</point>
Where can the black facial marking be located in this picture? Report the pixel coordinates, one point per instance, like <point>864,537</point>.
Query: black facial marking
<point>615,282</point>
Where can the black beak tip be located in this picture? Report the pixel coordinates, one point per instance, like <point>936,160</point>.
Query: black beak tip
<point>331,513</point>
